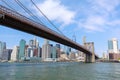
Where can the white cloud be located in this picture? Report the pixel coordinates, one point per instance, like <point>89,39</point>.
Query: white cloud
<point>106,5</point>
<point>93,23</point>
<point>114,23</point>
<point>99,17</point>
<point>54,10</point>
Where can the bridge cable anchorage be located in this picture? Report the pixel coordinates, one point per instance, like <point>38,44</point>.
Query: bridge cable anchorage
<point>28,11</point>
<point>46,17</point>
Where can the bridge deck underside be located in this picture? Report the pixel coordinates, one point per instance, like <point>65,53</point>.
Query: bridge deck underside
<point>41,31</point>
<point>18,25</point>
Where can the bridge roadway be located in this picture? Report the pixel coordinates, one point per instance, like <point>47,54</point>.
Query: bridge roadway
<point>12,19</point>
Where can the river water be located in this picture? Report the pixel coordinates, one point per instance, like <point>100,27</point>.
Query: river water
<point>60,71</point>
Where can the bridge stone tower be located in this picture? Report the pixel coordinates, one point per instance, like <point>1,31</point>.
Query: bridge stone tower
<point>90,46</point>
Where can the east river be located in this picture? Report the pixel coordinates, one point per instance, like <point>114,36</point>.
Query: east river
<point>60,71</point>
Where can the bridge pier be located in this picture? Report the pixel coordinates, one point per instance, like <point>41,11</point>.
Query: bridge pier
<point>93,57</point>
<point>90,58</point>
<point>87,58</point>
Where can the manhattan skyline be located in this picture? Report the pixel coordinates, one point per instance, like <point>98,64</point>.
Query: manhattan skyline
<point>99,21</point>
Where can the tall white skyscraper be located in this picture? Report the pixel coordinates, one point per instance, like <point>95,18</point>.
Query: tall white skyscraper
<point>46,50</point>
<point>14,54</point>
<point>113,46</point>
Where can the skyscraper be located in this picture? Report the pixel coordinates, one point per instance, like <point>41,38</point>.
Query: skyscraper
<point>9,53</point>
<point>58,46</point>
<point>35,42</point>
<point>46,50</point>
<point>33,49</point>
<point>29,51</point>
<point>22,49</point>
<point>31,43</point>
<point>113,50</point>
<point>54,52</point>
<point>2,49</point>
<point>58,51</point>
<point>68,50</point>
<point>14,54</point>
<point>30,48</point>
<point>113,46</point>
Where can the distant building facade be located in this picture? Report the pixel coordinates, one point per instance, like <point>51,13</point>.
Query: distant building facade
<point>46,50</point>
<point>33,49</point>
<point>58,47</point>
<point>113,46</point>
<point>105,56</point>
<point>21,53</point>
<point>54,52</point>
<point>9,53</point>
<point>113,49</point>
<point>3,51</point>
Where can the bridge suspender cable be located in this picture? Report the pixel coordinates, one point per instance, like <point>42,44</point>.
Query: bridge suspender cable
<point>46,17</point>
<point>28,11</point>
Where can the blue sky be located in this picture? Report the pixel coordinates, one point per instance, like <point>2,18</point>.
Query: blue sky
<point>98,20</point>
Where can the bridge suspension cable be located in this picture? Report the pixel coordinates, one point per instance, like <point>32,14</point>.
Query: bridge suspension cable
<point>28,11</point>
<point>46,17</point>
<point>8,5</point>
<point>31,14</point>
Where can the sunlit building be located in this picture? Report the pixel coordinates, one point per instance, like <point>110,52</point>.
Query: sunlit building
<point>33,49</point>
<point>72,56</point>
<point>63,57</point>
<point>14,54</point>
<point>113,50</point>
<point>81,56</point>
<point>46,50</point>
<point>105,56</point>
<point>113,46</point>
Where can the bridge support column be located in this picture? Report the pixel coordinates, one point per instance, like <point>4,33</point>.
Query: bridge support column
<point>87,58</point>
<point>90,58</point>
<point>93,57</point>
<point>93,53</point>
